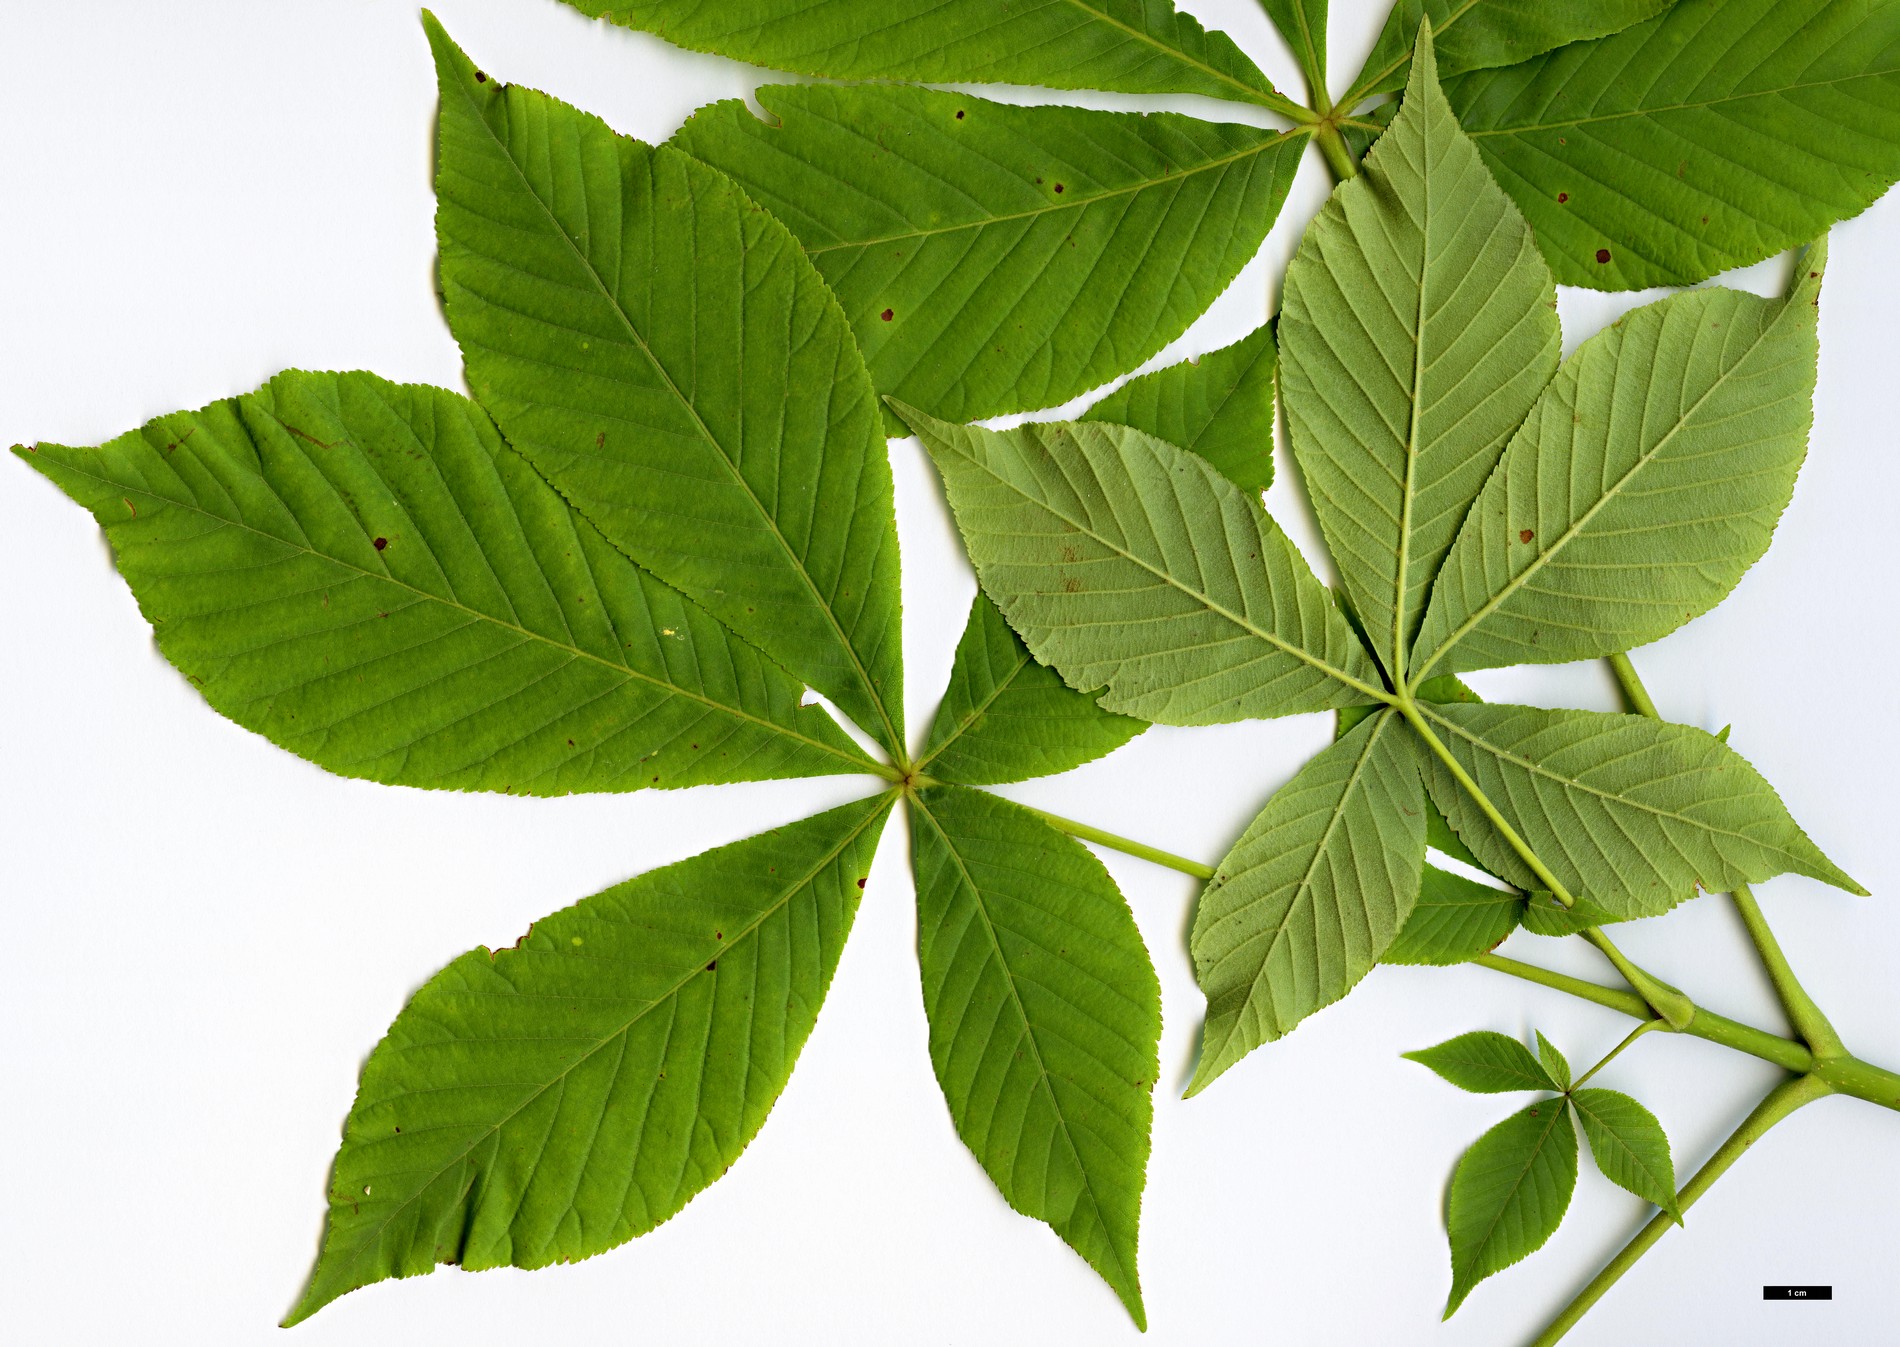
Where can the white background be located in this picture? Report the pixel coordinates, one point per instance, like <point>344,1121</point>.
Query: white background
<point>204,935</point>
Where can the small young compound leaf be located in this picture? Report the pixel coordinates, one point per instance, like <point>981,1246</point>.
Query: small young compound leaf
<point>546,1102</point>
<point>1485,1062</point>
<point>1455,919</point>
<point>365,574</point>
<point>1554,1061</point>
<point>1219,406</point>
<point>1634,813</point>
<point>1128,564</point>
<point>1127,46</point>
<point>970,242</point>
<point>1647,479</point>
<point>1478,34</point>
<point>1045,1016</point>
<point>1005,717</point>
<point>1419,326</point>
<point>1311,894</point>
<point>1714,135</point>
<point>1509,1193</point>
<point>1629,1146</point>
<point>660,349</point>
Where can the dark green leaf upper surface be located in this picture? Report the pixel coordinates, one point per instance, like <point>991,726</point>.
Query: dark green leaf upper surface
<point>1045,1016</point>
<point>1125,562</point>
<point>1509,1193</point>
<point>1131,46</point>
<point>661,350</point>
<point>1455,919</point>
<point>1219,406</point>
<point>994,258</point>
<point>1476,34</point>
<point>1712,136</point>
<point>1485,1062</point>
<point>1554,1061</point>
<point>542,1103</point>
<point>1647,479</point>
<point>365,574</point>
<point>1311,894</point>
<point>1005,717</point>
<point>1419,326</point>
<point>1629,1146</point>
<point>1303,24</point>
<point>1632,813</point>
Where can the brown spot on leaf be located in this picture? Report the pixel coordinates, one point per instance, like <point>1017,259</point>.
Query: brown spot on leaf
<point>1058,187</point>
<point>714,964</point>
<point>600,440</point>
<point>1603,255</point>
<point>127,502</point>
<point>379,543</point>
<point>1525,535</point>
<point>886,315</point>
<point>1562,197</point>
<point>861,882</point>
<point>1070,584</point>
<point>1069,553</point>
<point>480,78</point>
<point>959,114</point>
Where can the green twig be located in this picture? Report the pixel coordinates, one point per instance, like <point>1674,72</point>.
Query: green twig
<point>1783,1100</point>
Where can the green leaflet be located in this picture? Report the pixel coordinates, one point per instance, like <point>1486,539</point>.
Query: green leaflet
<point>1509,1193</point>
<point>1131,46</point>
<point>1629,1146</point>
<point>1553,1061</point>
<point>1715,135</point>
<point>1128,564</point>
<point>366,575</point>
<point>1647,479</point>
<point>994,258</point>
<point>1475,34</point>
<point>1542,914</point>
<point>1419,326</point>
<point>1219,405</point>
<point>1632,813</point>
<point>1045,1019</point>
<point>1303,24</point>
<point>1005,717</point>
<point>1485,1062</point>
<point>1311,894</point>
<point>651,341</point>
<point>542,1103</point>
<point>1455,918</point>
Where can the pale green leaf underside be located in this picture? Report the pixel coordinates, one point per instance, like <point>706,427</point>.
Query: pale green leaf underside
<point>1129,564</point>
<point>1509,1193</point>
<point>1717,134</point>
<point>546,1102</point>
<point>1454,920</point>
<point>1647,479</point>
<point>1045,1016</point>
<point>1418,328</point>
<point>1312,893</point>
<point>1631,813</point>
<point>1485,1062</point>
<point>994,258</point>
<point>662,351</point>
<point>1479,34</point>
<point>366,575</point>
<point>1629,1145</point>
<point>1004,717</point>
<point>1128,46</point>
<point>1219,405</point>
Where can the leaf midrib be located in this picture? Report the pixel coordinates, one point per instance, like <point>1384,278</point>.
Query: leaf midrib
<point>1361,92</point>
<point>1075,203</point>
<point>625,671</point>
<point>976,712</point>
<point>744,933</point>
<point>894,740</point>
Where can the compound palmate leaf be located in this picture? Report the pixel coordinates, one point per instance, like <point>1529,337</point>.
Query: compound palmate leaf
<point>1045,1016</point>
<point>1509,1193</point>
<point>1648,478</point>
<point>994,258</point>
<point>1004,717</point>
<point>1712,136</point>
<point>546,1102</point>
<point>1129,46</point>
<point>1631,813</point>
<point>1129,564</point>
<point>1419,326</point>
<point>1312,893</point>
<point>365,574</point>
<point>1218,405</point>
<point>660,349</point>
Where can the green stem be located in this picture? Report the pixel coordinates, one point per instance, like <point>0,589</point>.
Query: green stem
<point>1803,1013</point>
<point>1783,1100</point>
<point>1671,1004</point>
<point>1332,146</point>
<point>1123,844</point>
<point>1617,1051</point>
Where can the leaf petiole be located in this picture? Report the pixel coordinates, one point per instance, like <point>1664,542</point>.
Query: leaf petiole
<point>1613,1053</point>
<point>1117,843</point>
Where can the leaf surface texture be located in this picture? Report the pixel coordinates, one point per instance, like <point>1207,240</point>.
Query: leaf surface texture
<point>1629,1146</point>
<point>1509,1193</point>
